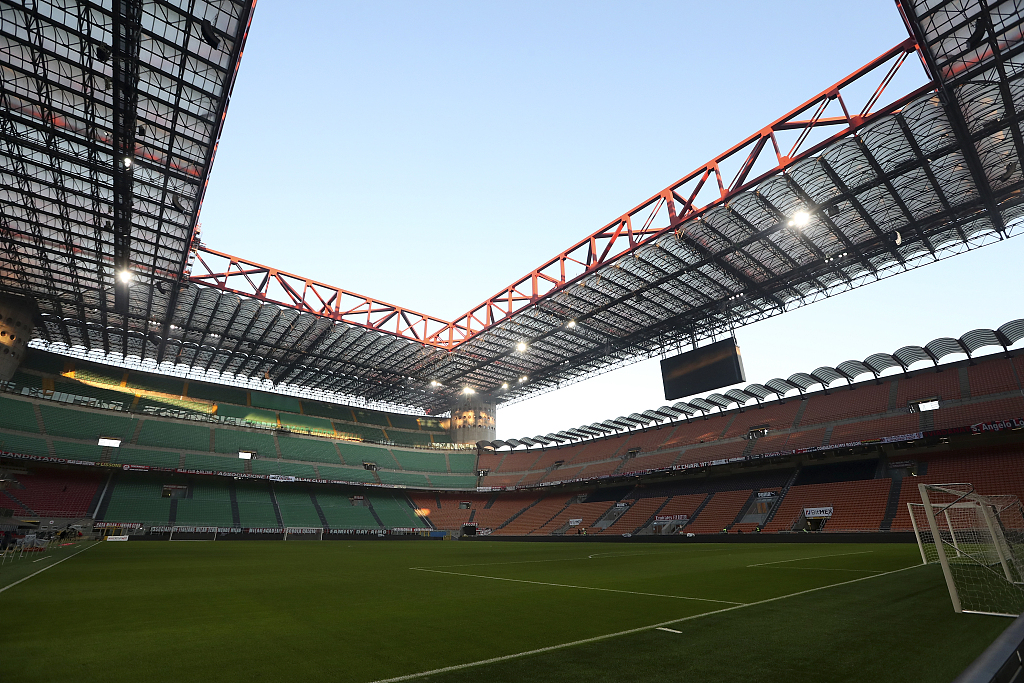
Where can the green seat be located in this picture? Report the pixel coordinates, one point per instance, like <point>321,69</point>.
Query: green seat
<point>191,512</point>
<point>404,478</point>
<point>123,398</point>
<point>421,461</point>
<point>312,450</point>
<point>409,438</point>
<point>214,463</point>
<point>23,445</point>
<point>85,424</point>
<point>371,417</point>
<point>317,425</point>
<point>257,415</point>
<point>261,399</point>
<point>138,499</point>
<point>174,435</point>
<point>341,514</point>
<point>99,374</point>
<point>357,454</point>
<point>142,456</point>
<point>227,440</point>
<point>23,379</point>
<point>255,506</point>
<point>460,481</point>
<point>217,393</point>
<point>78,451</point>
<point>356,474</point>
<point>287,469</point>
<point>403,421</point>
<point>158,383</point>
<point>462,462</point>
<point>154,404</point>
<point>296,506</point>
<point>394,511</point>
<point>328,410</point>
<point>19,415</point>
<point>354,431</point>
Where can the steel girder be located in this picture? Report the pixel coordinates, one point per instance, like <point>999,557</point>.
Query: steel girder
<point>887,185</point>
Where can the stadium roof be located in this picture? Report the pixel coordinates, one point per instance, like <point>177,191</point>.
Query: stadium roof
<point>849,371</point>
<point>856,184</point>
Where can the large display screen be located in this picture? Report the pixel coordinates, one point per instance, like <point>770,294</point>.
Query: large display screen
<point>705,369</point>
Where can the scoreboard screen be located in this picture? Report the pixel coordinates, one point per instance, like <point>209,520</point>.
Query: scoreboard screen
<point>708,368</point>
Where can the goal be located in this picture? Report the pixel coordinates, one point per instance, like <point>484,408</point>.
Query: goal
<point>979,542</point>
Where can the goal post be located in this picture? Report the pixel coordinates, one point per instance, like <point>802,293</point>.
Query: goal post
<point>978,540</point>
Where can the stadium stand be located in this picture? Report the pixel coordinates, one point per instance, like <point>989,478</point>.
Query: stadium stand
<point>53,493</point>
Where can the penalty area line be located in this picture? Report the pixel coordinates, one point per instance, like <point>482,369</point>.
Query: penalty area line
<point>640,629</point>
<point>49,566</point>
<point>568,585</point>
<point>816,557</point>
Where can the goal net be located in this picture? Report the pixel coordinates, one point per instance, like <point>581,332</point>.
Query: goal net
<point>978,540</point>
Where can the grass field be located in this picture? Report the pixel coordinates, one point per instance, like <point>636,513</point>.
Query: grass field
<point>373,611</point>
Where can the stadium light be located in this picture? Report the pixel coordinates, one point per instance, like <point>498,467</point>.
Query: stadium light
<point>434,383</point>
<point>127,162</point>
<point>504,385</point>
<point>125,276</point>
<point>800,219</point>
<point>468,390</point>
<point>523,379</point>
<point>571,324</point>
<point>521,347</point>
<point>113,443</point>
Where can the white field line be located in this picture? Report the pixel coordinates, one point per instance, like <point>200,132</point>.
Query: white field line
<point>640,629</point>
<point>828,569</point>
<point>816,557</point>
<point>670,630</point>
<point>559,559</point>
<point>49,566</point>
<point>41,559</point>
<point>566,585</point>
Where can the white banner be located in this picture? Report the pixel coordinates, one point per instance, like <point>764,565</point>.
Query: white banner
<point>575,522</point>
<point>118,538</point>
<point>817,513</point>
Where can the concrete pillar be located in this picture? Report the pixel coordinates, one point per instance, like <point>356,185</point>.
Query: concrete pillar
<point>15,331</point>
<point>473,419</point>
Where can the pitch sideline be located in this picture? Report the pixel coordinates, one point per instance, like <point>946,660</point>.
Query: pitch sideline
<point>594,639</point>
<point>49,566</point>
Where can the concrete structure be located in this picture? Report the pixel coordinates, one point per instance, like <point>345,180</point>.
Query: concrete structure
<point>473,419</point>
<point>15,331</point>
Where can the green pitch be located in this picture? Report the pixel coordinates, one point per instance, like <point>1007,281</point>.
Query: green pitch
<point>370,611</point>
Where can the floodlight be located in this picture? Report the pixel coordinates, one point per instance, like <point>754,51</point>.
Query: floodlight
<point>504,385</point>
<point>125,276</point>
<point>521,347</point>
<point>434,383</point>
<point>523,379</point>
<point>800,219</point>
<point>113,443</point>
<point>127,162</point>
<point>468,390</point>
<point>571,324</point>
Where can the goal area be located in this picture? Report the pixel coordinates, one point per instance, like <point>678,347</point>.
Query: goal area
<point>979,542</point>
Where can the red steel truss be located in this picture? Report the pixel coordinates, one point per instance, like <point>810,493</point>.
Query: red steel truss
<point>802,132</point>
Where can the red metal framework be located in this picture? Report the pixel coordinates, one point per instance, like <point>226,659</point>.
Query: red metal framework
<point>802,132</point>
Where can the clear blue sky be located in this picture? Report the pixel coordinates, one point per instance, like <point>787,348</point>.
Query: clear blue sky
<point>428,154</point>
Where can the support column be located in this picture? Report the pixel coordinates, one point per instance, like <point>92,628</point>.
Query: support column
<point>473,419</point>
<point>15,331</point>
